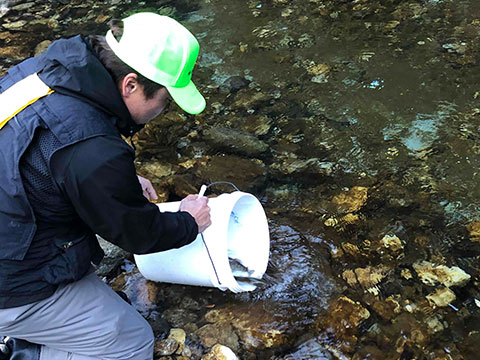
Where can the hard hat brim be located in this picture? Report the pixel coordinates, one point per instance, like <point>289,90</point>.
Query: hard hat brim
<point>188,98</point>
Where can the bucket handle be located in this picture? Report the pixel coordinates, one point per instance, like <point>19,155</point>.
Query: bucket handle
<point>204,188</point>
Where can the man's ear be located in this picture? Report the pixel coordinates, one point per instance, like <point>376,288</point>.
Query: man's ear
<point>129,84</point>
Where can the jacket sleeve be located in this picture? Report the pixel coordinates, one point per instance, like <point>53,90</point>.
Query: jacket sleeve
<point>98,176</point>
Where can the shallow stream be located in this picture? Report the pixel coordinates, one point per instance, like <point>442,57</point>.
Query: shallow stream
<point>357,124</point>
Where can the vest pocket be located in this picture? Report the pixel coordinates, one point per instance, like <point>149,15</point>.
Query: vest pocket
<point>72,261</point>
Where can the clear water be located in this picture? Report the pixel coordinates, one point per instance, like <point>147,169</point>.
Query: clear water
<point>387,92</point>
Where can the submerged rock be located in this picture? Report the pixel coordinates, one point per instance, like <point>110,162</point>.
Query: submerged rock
<point>442,297</point>
<point>41,47</point>
<point>179,317</point>
<point>343,319</point>
<point>174,344</point>
<point>246,174</point>
<point>351,200</point>
<point>392,244</point>
<point>256,328</point>
<point>220,352</point>
<point>365,277</point>
<point>474,230</point>
<point>390,247</point>
<point>235,83</point>
<point>219,332</point>
<point>289,164</point>
<point>234,141</point>
<point>387,308</point>
<point>14,52</point>
<point>311,349</point>
<point>432,275</point>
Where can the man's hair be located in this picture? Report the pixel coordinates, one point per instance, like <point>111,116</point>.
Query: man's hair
<point>116,67</point>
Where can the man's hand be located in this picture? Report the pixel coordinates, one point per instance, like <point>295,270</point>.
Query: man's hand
<point>198,208</point>
<point>147,188</point>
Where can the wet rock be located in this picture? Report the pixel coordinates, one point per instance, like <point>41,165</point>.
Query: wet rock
<point>41,47</point>
<point>404,333</point>
<point>469,345</point>
<point>190,304</point>
<point>179,317</point>
<point>190,328</point>
<point>343,223</point>
<point>370,352</point>
<point>289,164</point>
<point>235,83</point>
<point>173,344</point>
<point>14,52</point>
<point>23,6</point>
<point>256,124</point>
<point>311,349</point>
<point>186,353</point>
<point>16,25</point>
<point>114,257</point>
<point>387,308</point>
<point>343,319</point>
<point>319,72</point>
<point>247,101</point>
<point>390,248</point>
<point>142,293</point>
<point>220,352</point>
<point>474,231</point>
<point>431,274</point>
<point>365,277</point>
<point>247,174</point>
<point>161,327</point>
<point>179,336</point>
<point>256,328</point>
<point>337,253</point>
<point>234,141</point>
<point>352,250</point>
<point>3,11</point>
<point>161,135</point>
<point>435,324</point>
<point>351,200</point>
<point>406,274</point>
<point>219,332</point>
<point>331,222</point>
<point>392,245</point>
<point>442,297</point>
<point>350,219</point>
<point>166,347</point>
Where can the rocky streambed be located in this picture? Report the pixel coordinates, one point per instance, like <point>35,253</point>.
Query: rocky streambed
<point>356,123</point>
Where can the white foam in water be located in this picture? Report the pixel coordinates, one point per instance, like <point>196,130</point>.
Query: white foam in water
<point>3,7</point>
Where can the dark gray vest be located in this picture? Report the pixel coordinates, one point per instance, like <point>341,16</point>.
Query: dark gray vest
<point>63,252</point>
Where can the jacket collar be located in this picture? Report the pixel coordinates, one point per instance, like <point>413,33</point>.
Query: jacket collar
<point>70,67</point>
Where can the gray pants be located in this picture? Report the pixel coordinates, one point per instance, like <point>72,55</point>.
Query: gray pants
<point>84,320</point>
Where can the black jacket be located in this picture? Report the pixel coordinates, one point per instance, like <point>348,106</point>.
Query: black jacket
<point>68,175</point>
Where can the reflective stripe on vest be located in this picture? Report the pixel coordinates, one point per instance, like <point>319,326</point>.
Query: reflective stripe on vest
<point>21,94</point>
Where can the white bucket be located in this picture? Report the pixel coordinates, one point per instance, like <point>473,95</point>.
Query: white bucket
<point>239,230</point>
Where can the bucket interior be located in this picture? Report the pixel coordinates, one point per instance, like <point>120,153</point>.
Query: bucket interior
<point>248,242</point>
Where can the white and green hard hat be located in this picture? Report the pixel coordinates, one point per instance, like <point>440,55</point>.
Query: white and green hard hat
<point>164,51</point>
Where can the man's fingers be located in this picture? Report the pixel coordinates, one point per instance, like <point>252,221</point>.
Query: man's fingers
<point>151,192</point>
<point>147,188</point>
<point>191,197</point>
